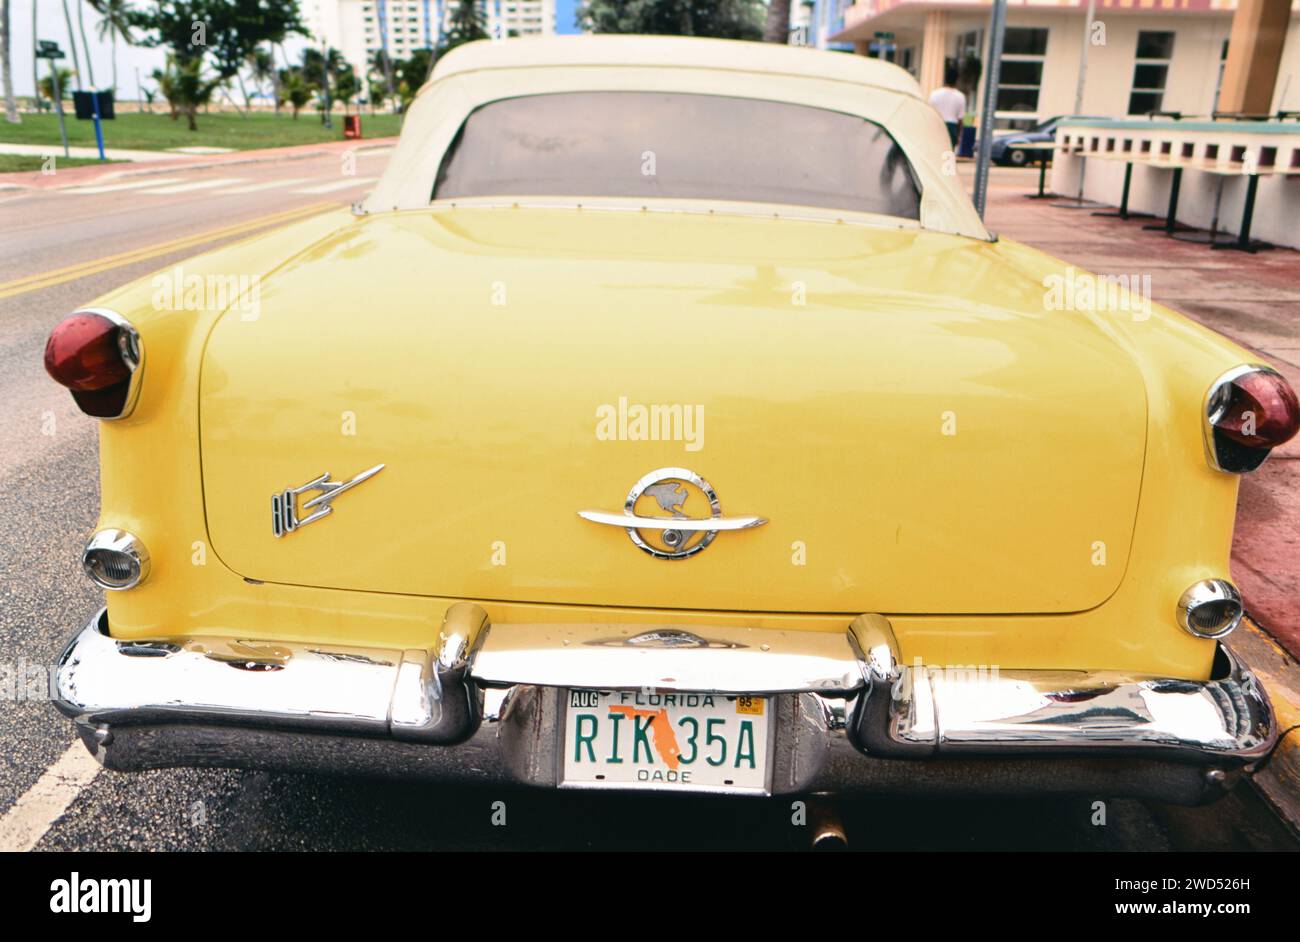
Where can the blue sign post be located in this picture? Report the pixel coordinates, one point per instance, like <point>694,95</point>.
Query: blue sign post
<point>99,130</point>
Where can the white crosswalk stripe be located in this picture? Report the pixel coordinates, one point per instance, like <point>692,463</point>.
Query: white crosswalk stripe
<point>114,187</point>
<point>267,185</point>
<point>28,818</point>
<point>166,186</point>
<point>339,185</point>
<point>188,187</point>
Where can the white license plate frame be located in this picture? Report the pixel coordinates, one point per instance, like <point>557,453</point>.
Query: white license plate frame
<point>758,783</point>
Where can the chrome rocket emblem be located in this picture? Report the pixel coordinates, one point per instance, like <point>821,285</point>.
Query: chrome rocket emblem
<point>284,506</point>
<point>679,534</point>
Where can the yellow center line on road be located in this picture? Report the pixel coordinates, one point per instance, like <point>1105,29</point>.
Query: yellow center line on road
<point>72,272</point>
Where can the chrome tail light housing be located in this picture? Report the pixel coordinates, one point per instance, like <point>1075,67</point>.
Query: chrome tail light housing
<point>1249,411</point>
<point>97,354</point>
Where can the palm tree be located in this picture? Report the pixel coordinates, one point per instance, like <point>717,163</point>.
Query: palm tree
<point>381,66</point>
<point>346,86</point>
<point>46,84</point>
<point>261,69</point>
<point>115,23</point>
<point>76,59</point>
<point>467,24</point>
<point>777,29</point>
<point>297,90</point>
<point>318,67</point>
<point>6,73</point>
<point>166,82</point>
<point>186,88</point>
<point>81,24</point>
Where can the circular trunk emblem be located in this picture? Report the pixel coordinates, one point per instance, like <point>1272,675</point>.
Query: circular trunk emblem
<point>672,513</point>
<point>670,490</point>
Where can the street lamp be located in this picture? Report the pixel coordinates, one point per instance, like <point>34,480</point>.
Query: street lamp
<point>48,49</point>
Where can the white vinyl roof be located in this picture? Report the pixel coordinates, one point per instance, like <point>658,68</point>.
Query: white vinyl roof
<point>675,52</point>
<point>478,73</point>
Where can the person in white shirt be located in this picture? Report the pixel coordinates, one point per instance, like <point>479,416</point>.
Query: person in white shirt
<point>950,103</point>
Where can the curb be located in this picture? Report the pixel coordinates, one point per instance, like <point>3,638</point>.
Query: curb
<point>1277,779</point>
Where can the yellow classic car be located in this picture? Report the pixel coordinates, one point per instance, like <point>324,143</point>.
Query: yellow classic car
<point>666,418</point>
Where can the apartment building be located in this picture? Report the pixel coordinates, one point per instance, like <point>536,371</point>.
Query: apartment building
<point>358,28</point>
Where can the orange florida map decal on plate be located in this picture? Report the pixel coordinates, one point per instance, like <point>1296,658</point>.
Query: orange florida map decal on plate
<point>664,737</point>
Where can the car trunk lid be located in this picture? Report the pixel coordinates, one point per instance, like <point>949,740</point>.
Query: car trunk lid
<point>918,432</point>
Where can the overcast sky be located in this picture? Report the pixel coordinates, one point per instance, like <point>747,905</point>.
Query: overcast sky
<point>51,25</point>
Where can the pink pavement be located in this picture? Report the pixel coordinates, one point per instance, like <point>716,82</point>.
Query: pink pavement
<point>1252,299</point>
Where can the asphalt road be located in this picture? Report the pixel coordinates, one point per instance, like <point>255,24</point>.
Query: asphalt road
<point>49,501</point>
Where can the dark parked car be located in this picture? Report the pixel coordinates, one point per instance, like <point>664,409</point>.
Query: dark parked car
<point>1006,153</point>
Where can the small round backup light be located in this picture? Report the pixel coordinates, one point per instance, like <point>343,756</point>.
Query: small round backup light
<point>1210,608</point>
<point>115,560</point>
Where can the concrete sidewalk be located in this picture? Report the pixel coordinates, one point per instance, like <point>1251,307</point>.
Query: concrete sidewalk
<point>110,153</point>
<point>165,162</point>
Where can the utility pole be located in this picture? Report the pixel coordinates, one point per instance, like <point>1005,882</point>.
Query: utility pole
<point>1083,59</point>
<point>992,74</point>
<point>36,61</point>
<point>49,50</point>
<point>325,71</point>
<point>58,104</point>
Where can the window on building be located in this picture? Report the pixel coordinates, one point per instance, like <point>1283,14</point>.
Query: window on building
<point>968,61</point>
<point>1023,52</point>
<point>1154,50</point>
<point>1218,82</point>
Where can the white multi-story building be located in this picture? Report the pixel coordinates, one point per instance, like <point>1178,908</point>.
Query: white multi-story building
<point>1142,55</point>
<point>357,28</point>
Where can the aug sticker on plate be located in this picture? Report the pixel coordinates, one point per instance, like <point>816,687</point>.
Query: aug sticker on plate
<point>684,741</point>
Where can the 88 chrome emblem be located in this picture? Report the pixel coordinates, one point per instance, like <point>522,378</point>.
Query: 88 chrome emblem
<point>679,534</point>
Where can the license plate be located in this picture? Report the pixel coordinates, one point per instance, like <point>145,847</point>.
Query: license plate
<point>668,741</point>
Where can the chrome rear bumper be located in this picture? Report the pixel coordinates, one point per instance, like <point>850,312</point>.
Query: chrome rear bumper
<point>483,704</point>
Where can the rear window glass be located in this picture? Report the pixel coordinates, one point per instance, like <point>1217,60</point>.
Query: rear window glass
<point>655,144</point>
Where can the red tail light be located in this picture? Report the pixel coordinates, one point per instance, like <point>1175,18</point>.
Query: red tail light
<point>1249,411</point>
<point>96,354</point>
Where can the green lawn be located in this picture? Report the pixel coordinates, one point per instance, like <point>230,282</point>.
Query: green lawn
<point>18,163</point>
<point>136,131</point>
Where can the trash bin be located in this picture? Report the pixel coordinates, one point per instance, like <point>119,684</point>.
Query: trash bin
<point>352,126</point>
